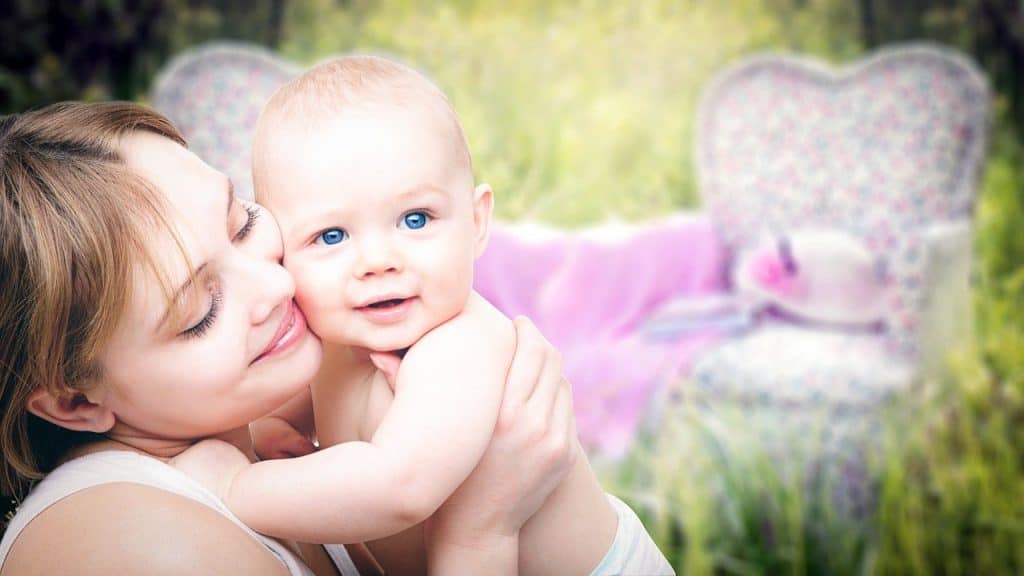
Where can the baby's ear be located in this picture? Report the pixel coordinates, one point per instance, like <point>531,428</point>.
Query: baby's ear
<point>483,205</point>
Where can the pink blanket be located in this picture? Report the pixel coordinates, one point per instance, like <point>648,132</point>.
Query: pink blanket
<point>590,293</point>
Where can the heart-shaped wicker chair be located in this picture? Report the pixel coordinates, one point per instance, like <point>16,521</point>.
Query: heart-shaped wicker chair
<point>887,150</point>
<point>214,93</point>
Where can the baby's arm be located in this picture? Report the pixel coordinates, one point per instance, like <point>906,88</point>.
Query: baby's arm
<point>446,402</point>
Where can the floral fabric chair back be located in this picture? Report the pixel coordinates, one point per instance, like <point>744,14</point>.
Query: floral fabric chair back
<point>214,94</point>
<point>881,151</point>
<point>887,154</point>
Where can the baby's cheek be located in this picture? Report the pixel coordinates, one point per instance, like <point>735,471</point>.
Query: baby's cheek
<point>310,283</point>
<point>315,294</point>
<point>309,304</point>
<point>295,264</point>
<point>308,292</point>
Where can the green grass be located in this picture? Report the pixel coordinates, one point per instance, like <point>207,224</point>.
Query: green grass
<point>719,497</point>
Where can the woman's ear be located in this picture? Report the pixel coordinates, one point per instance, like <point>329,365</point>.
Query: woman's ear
<point>483,205</point>
<point>73,411</point>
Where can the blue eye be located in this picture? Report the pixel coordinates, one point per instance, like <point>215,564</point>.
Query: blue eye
<point>415,220</point>
<point>332,236</point>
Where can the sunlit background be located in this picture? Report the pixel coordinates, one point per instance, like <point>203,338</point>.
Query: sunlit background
<point>580,112</point>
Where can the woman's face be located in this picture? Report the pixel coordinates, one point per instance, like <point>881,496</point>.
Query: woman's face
<point>238,346</point>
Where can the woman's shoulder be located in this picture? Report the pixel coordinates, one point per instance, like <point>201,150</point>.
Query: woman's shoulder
<point>129,528</point>
<point>130,510</point>
<point>212,463</point>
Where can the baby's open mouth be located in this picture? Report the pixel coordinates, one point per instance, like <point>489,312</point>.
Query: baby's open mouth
<point>387,310</point>
<point>387,303</point>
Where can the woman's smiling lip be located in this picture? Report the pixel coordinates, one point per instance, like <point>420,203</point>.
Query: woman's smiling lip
<point>292,327</point>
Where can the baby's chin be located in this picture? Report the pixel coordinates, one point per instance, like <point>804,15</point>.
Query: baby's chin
<point>394,338</point>
<point>396,345</point>
<point>382,343</point>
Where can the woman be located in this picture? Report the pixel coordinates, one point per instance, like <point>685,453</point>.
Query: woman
<point>142,310</point>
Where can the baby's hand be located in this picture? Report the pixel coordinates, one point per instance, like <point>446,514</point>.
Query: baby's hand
<point>387,363</point>
<point>273,437</point>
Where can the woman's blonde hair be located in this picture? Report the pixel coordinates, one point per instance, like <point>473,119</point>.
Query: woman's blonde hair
<point>72,222</point>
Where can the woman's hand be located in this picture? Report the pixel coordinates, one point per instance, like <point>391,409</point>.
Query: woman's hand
<point>533,448</point>
<point>286,432</point>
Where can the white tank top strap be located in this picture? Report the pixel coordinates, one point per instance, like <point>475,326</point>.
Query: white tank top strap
<point>122,466</point>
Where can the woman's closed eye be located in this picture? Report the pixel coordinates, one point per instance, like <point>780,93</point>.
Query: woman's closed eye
<point>216,295</point>
<point>331,236</point>
<point>414,220</point>
<point>252,213</point>
<point>200,328</point>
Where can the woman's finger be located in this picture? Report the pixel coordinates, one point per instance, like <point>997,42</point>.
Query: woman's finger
<point>550,376</point>
<point>562,415</point>
<point>549,383</point>
<point>561,439</point>
<point>527,364</point>
<point>572,437</point>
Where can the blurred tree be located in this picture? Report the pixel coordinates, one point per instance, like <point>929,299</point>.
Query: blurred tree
<point>53,50</point>
<point>992,31</point>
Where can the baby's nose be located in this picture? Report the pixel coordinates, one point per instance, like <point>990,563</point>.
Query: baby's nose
<point>377,256</point>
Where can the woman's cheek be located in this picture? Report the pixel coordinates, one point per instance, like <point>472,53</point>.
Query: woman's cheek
<point>228,359</point>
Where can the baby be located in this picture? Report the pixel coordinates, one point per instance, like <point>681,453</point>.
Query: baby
<point>365,166</point>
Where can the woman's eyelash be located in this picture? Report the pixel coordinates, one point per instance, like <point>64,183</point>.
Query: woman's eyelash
<point>216,299</point>
<point>252,213</point>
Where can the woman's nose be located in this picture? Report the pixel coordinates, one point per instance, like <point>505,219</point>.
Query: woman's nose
<point>269,285</point>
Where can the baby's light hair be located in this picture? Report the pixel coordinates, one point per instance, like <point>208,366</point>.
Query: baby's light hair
<point>352,82</point>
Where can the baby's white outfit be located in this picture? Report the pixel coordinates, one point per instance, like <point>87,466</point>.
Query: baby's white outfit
<point>633,552</point>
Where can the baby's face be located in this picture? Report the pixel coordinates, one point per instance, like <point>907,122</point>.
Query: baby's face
<point>381,224</point>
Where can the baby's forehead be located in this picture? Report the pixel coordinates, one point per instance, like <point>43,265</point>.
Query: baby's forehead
<point>311,124</point>
<point>385,135</point>
<point>321,97</point>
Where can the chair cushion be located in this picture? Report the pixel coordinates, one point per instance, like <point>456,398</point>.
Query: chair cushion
<point>799,368</point>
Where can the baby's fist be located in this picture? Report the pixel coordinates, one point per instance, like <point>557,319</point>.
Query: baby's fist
<point>273,437</point>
